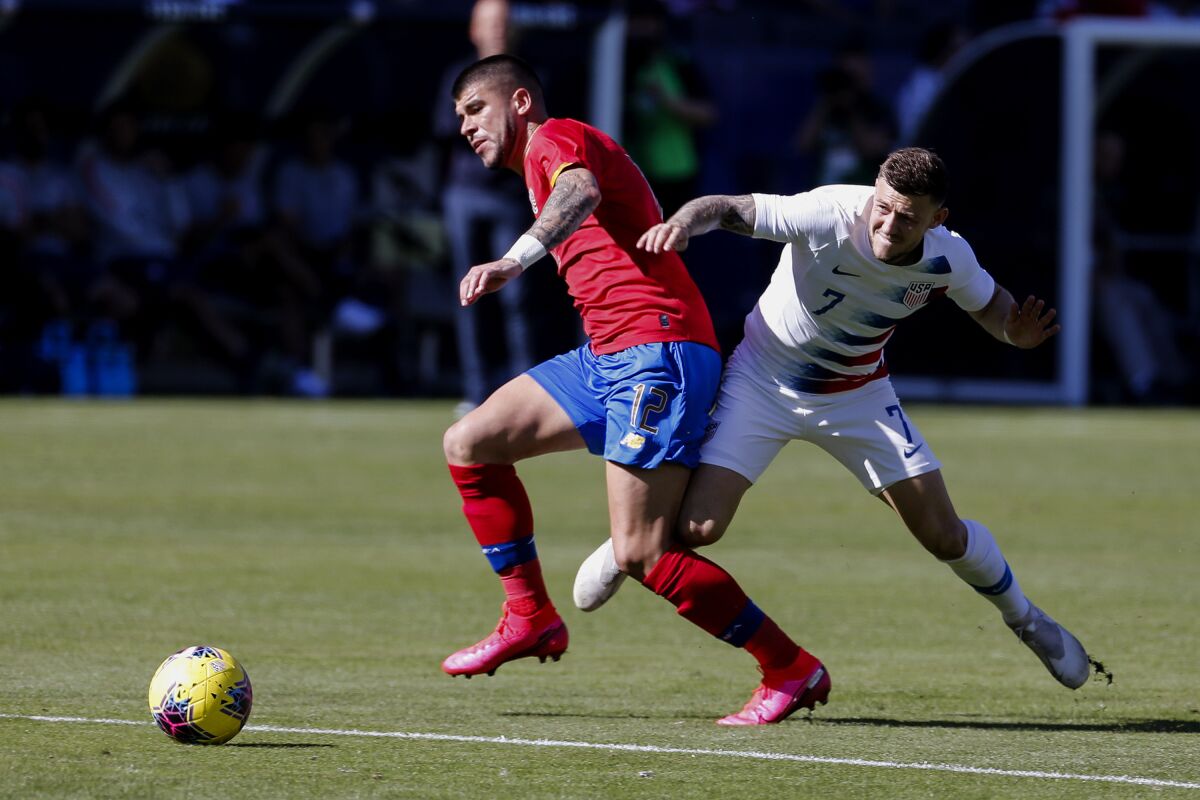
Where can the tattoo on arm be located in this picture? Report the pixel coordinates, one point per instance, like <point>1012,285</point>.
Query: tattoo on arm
<point>739,217</point>
<point>731,213</point>
<point>575,196</point>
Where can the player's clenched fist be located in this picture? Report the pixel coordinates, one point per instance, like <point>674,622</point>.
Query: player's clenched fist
<point>664,236</point>
<point>487,278</point>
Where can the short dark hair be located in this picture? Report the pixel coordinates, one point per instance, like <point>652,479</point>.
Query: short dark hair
<point>511,72</point>
<point>916,171</point>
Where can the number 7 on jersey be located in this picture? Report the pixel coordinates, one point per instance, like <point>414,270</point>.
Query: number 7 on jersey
<point>837,298</point>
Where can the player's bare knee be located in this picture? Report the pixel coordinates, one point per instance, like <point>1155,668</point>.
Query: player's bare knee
<point>947,541</point>
<point>633,565</point>
<point>701,521</point>
<point>699,530</point>
<point>461,443</point>
<point>636,557</point>
<point>957,543</point>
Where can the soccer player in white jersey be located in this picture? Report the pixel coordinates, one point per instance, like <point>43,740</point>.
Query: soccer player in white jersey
<point>857,261</point>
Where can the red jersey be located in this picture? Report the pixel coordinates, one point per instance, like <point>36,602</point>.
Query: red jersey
<point>625,296</point>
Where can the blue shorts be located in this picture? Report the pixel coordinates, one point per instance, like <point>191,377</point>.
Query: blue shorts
<point>640,406</point>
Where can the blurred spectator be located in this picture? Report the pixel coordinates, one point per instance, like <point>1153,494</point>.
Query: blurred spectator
<point>139,217</point>
<point>667,104</point>
<point>317,204</point>
<point>225,192</point>
<point>45,212</point>
<point>938,45</point>
<point>845,105</point>
<point>405,281</point>
<point>872,137</point>
<point>854,58</point>
<point>485,211</point>
<point>42,226</point>
<point>55,223</point>
<point>1133,321</point>
<point>227,238</point>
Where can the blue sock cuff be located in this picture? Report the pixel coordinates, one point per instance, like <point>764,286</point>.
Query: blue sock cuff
<point>744,625</point>
<point>1000,586</point>
<point>510,554</point>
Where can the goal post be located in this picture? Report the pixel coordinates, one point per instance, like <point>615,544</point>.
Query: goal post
<point>1081,39</point>
<point>1086,90</point>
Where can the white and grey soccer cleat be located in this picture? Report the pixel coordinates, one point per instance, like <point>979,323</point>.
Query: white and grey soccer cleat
<point>598,578</point>
<point>1061,652</point>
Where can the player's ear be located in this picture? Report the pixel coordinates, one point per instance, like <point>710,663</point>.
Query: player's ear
<point>939,217</point>
<point>522,100</point>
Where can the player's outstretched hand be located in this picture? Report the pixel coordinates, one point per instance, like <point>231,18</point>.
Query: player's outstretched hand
<point>664,236</point>
<point>1026,326</point>
<point>487,278</point>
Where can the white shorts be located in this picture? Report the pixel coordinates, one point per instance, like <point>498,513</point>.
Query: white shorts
<point>863,428</point>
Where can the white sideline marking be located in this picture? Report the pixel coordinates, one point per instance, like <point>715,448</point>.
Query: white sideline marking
<point>686,751</point>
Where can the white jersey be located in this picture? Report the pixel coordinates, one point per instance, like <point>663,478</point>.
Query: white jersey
<point>821,324</point>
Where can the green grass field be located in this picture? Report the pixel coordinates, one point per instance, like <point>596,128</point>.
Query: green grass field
<point>323,545</point>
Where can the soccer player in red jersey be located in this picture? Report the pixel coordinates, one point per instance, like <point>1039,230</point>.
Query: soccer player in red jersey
<point>637,394</point>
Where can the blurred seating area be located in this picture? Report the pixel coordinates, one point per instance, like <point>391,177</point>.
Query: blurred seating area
<point>223,207</point>
<point>245,197</point>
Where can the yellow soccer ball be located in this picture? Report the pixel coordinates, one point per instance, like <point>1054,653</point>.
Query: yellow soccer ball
<point>200,695</point>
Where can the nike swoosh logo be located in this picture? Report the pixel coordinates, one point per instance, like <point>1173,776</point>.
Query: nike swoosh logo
<point>847,274</point>
<point>913,452</point>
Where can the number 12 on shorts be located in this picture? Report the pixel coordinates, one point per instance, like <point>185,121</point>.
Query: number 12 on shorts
<point>640,414</point>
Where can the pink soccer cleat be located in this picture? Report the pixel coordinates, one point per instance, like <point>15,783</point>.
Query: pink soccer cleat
<point>802,684</point>
<point>544,635</point>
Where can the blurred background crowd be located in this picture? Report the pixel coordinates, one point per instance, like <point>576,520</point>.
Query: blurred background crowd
<point>263,197</point>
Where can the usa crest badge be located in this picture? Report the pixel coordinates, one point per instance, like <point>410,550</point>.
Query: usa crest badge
<point>917,294</point>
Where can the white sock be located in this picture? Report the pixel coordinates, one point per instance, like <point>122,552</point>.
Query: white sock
<point>983,567</point>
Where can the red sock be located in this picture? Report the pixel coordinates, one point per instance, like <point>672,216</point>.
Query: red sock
<point>709,597</point>
<point>525,589</point>
<point>494,502</point>
<point>498,511</point>
<point>773,648</point>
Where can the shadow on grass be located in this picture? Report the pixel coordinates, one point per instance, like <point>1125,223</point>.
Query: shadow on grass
<point>584,715</point>
<point>1129,726</point>
<point>280,745</point>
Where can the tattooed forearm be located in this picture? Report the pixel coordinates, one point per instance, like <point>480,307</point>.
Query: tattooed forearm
<point>731,213</point>
<point>739,216</point>
<point>575,196</point>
